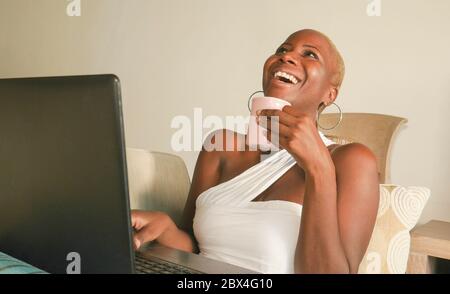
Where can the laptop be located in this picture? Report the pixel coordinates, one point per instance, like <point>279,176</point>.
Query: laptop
<point>64,203</point>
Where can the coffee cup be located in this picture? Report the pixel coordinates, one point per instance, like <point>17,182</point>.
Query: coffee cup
<point>257,135</point>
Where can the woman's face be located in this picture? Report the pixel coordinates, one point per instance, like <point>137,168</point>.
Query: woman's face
<point>300,71</point>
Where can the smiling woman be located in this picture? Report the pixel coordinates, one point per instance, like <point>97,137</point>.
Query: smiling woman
<point>310,59</point>
<point>309,208</point>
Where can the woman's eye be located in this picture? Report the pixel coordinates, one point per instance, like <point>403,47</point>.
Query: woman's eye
<point>310,53</point>
<point>281,50</point>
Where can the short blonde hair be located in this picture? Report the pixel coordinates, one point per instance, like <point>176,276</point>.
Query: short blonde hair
<point>338,76</point>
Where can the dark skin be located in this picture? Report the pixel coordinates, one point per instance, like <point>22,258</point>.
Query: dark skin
<point>337,185</point>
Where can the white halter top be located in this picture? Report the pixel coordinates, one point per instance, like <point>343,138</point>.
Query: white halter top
<point>261,236</point>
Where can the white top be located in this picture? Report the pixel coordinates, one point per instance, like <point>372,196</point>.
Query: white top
<point>260,236</point>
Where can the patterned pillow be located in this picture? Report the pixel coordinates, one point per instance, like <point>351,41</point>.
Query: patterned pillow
<point>398,212</point>
<point>10,265</point>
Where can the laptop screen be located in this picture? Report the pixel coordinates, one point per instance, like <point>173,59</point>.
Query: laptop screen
<point>63,188</point>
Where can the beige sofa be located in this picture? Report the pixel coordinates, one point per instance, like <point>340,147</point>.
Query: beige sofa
<point>160,181</point>
<point>157,181</point>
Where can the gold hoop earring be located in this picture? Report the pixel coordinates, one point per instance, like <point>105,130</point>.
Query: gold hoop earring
<point>250,99</point>
<point>336,125</point>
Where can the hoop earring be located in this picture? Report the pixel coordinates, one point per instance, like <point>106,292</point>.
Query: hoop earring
<point>336,125</point>
<point>250,99</point>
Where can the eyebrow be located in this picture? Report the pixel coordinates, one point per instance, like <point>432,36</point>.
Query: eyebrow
<point>311,46</point>
<point>305,45</point>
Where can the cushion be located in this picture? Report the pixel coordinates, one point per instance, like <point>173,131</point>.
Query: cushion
<point>10,265</point>
<point>399,211</point>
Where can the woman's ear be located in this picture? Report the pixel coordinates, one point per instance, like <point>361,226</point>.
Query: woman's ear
<point>331,95</point>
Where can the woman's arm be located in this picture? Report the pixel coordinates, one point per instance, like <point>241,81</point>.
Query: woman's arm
<point>341,195</point>
<point>206,175</point>
<point>155,225</point>
<point>339,212</point>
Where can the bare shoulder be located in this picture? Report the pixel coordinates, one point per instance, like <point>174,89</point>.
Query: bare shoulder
<point>353,154</point>
<point>355,165</point>
<point>224,140</point>
<point>218,148</point>
<point>356,170</point>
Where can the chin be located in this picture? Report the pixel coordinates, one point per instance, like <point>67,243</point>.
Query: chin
<point>280,93</point>
<point>277,93</point>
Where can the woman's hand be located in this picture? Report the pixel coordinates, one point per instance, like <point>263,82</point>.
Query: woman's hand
<point>149,226</point>
<point>341,195</point>
<point>298,134</point>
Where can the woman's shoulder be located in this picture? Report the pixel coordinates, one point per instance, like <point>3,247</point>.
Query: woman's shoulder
<point>224,140</point>
<point>353,150</point>
<point>228,149</point>
<point>353,156</point>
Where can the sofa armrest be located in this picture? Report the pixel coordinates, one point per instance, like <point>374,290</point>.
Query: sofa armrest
<point>157,181</point>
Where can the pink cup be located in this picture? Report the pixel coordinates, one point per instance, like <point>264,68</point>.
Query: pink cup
<point>257,135</point>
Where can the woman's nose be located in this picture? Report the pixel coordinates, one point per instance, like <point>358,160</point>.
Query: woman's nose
<point>288,58</point>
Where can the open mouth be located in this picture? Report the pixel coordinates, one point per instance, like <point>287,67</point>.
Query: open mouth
<point>285,77</point>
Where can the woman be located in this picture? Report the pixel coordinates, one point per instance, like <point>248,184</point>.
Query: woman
<point>314,207</point>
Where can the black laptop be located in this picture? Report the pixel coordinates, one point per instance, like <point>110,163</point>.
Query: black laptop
<point>64,203</point>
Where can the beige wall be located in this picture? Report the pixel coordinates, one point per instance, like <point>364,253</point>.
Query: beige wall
<point>174,55</point>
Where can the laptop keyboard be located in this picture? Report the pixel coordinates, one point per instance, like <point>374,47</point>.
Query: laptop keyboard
<point>158,266</point>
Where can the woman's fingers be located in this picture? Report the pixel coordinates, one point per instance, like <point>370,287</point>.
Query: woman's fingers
<point>146,234</point>
<point>138,219</point>
<point>134,218</point>
<point>148,226</point>
<point>283,117</point>
<point>276,128</point>
<point>288,115</point>
<point>292,111</point>
<point>136,242</point>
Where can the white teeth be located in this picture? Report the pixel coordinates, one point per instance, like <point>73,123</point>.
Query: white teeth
<point>286,76</point>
